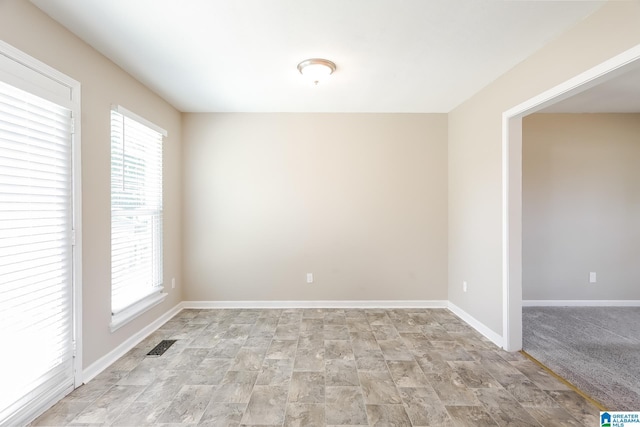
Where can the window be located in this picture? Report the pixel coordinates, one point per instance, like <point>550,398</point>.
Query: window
<point>136,216</point>
<point>39,218</point>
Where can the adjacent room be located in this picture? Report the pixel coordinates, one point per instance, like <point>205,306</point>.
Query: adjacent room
<point>581,235</point>
<point>306,213</point>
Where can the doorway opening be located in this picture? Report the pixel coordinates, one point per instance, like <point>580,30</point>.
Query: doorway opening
<point>512,180</point>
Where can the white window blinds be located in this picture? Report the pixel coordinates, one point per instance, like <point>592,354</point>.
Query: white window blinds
<point>136,210</point>
<point>36,255</point>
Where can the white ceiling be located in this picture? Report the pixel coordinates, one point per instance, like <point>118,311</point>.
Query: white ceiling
<point>392,55</point>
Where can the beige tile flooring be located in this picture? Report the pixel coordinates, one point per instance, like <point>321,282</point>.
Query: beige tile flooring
<point>320,367</point>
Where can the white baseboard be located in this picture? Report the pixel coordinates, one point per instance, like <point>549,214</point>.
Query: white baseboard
<point>105,361</point>
<point>581,303</point>
<point>476,324</point>
<point>318,304</point>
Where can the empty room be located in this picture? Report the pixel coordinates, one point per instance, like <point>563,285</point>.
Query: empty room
<point>580,238</point>
<point>301,213</point>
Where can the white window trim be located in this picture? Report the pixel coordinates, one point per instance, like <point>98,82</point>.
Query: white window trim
<point>125,316</point>
<point>120,109</point>
<point>73,102</point>
<point>128,314</point>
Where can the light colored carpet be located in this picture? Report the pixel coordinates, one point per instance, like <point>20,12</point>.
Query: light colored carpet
<point>597,349</point>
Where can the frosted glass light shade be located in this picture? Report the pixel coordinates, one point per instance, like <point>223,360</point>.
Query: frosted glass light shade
<point>316,69</point>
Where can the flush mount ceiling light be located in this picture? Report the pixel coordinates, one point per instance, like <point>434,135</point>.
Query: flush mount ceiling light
<point>316,69</point>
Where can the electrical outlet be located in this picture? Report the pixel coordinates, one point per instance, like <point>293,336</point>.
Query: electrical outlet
<point>309,277</point>
<point>592,277</point>
<point>173,283</point>
<point>464,286</point>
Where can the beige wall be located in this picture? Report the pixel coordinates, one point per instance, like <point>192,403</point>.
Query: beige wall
<point>360,200</point>
<point>103,84</point>
<point>581,206</point>
<point>475,186</point>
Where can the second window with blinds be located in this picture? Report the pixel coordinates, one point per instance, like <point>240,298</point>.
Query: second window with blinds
<point>136,216</point>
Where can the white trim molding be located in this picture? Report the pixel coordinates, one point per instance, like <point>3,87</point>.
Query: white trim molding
<point>29,74</point>
<point>130,114</point>
<point>512,181</point>
<point>318,304</point>
<point>125,316</point>
<point>105,361</point>
<point>580,303</point>
<point>476,324</point>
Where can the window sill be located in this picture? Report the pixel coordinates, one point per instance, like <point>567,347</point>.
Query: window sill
<point>122,318</point>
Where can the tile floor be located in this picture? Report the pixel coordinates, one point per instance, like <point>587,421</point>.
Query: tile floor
<point>322,367</point>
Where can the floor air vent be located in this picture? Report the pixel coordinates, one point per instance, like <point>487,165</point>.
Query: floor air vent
<point>161,348</point>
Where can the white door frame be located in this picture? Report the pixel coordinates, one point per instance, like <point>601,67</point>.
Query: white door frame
<point>512,182</point>
<point>66,91</point>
